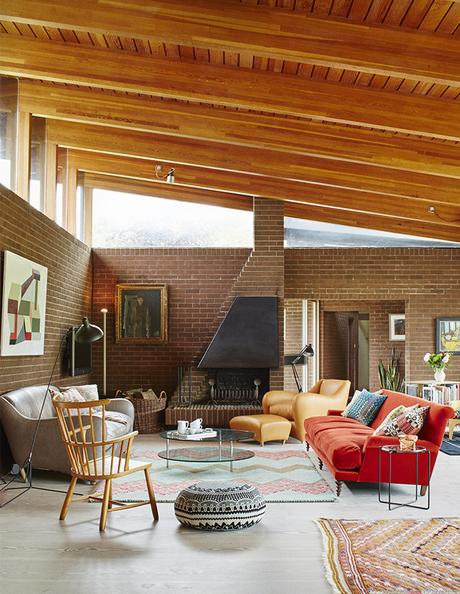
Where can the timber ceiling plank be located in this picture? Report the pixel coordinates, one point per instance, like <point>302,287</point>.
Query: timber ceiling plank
<point>261,30</point>
<point>245,129</point>
<point>257,161</point>
<point>233,87</point>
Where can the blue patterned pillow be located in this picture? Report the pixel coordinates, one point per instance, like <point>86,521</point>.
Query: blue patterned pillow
<point>364,407</point>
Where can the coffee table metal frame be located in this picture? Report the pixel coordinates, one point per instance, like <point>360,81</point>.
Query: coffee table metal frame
<point>395,450</point>
<point>223,436</point>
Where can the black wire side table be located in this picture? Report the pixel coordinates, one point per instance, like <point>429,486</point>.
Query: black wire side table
<point>392,451</point>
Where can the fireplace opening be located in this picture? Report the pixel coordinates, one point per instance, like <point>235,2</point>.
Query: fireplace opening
<point>237,386</point>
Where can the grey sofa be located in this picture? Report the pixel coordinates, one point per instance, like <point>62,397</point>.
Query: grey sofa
<point>19,412</point>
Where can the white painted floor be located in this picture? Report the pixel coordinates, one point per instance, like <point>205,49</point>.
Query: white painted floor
<point>282,555</point>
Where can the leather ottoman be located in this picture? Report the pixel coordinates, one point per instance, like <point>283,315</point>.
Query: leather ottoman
<point>264,427</point>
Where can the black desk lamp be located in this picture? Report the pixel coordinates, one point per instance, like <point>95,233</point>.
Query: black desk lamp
<point>299,359</point>
<point>86,333</point>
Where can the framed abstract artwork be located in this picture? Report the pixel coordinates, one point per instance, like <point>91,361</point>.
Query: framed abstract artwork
<point>397,326</point>
<point>141,314</point>
<point>23,307</point>
<point>448,335</point>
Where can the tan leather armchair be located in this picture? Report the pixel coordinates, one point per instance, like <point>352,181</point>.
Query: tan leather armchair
<point>325,395</point>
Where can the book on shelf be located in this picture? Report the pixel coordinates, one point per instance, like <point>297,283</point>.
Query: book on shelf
<point>440,393</point>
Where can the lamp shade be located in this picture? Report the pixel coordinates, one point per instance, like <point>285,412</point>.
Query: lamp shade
<point>87,332</point>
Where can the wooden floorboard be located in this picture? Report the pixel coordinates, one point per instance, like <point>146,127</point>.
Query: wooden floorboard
<point>39,555</point>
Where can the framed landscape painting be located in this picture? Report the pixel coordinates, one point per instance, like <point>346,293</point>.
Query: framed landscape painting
<point>23,307</point>
<point>141,314</point>
<point>448,335</point>
<point>397,326</point>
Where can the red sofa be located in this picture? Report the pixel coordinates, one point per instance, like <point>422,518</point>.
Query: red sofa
<point>350,451</point>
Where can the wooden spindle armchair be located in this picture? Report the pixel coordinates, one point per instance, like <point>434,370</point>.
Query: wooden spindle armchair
<point>93,457</point>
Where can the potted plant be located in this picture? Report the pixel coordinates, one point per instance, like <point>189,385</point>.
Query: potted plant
<point>438,362</point>
<point>390,378</point>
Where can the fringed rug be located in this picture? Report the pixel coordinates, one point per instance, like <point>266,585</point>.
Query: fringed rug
<point>283,474</point>
<point>393,556</point>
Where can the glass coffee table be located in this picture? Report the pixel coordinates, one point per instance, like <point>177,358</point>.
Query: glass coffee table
<point>222,451</point>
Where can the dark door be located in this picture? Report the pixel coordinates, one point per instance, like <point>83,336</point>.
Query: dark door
<point>340,346</point>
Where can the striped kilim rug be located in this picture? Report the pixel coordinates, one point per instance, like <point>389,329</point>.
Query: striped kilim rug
<point>283,474</point>
<point>393,556</point>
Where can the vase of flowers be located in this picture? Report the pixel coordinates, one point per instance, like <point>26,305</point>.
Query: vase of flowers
<point>438,362</point>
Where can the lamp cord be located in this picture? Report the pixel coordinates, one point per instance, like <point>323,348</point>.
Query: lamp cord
<point>27,464</point>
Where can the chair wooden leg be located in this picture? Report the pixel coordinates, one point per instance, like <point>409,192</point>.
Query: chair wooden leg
<point>68,498</point>
<point>110,495</point>
<point>320,464</point>
<point>423,490</point>
<point>338,488</point>
<point>153,503</point>
<point>105,505</point>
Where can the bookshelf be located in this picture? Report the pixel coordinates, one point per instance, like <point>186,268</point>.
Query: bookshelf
<point>441,393</point>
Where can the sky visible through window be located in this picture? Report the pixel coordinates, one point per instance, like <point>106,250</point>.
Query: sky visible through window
<point>130,220</point>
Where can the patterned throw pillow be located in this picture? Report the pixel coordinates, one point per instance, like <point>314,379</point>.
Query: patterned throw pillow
<point>391,416</point>
<point>364,407</point>
<point>409,422</point>
<point>89,392</point>
<point>67,395</point>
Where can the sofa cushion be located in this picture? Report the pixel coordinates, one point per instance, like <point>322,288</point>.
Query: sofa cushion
<point>409,422</point>
<point>364,406</point>
<point>339,439</point>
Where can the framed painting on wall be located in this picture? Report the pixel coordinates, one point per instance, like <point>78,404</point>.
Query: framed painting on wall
<point>141,314</point>
<point>397,326</point>
<point>23,307</point>
<point>448,335</point>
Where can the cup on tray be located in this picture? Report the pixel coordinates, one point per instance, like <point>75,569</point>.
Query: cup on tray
<point>196,426</point>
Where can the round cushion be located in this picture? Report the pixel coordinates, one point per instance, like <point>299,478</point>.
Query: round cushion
<point>219,505</point>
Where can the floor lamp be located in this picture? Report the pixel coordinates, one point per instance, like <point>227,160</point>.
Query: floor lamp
<point>86,333</point>
<point>299,359</point>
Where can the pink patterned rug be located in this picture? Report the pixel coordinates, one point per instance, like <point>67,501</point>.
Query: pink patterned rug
<point>283,474</point>
<point>393,556</point>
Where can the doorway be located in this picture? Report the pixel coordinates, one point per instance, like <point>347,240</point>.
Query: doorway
<point>345,352</point>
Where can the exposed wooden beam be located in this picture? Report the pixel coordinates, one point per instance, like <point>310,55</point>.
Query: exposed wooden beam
<point>163,190</point>
<point>259,30</point>
<point>186,120</point>
<point>235,87</point>
<point>141,170</point>
<point>305,211</point>
<point>367,221</point>
<point>309,170</point>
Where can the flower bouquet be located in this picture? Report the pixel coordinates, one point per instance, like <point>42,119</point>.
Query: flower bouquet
<point>438,362</point>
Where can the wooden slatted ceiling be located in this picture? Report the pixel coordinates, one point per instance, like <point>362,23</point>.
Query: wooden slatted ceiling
<point>346,190</point>
<point>437,16</point>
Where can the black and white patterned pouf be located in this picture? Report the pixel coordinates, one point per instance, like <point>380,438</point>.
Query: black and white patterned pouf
<point>219,505</point>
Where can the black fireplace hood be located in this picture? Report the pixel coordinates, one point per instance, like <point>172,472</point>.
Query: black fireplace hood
<point>247,337</point>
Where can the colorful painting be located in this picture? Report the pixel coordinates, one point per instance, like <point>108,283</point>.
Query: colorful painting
<point>23,307</point>
<point>448,335</point>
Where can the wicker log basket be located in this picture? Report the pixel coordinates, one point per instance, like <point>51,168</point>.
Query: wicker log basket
<point>149,410</point>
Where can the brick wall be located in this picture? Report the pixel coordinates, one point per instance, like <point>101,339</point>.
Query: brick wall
<point>198,280</point>
<point>293,336</point>
<point>30,234</point>
<point>427,280</point>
